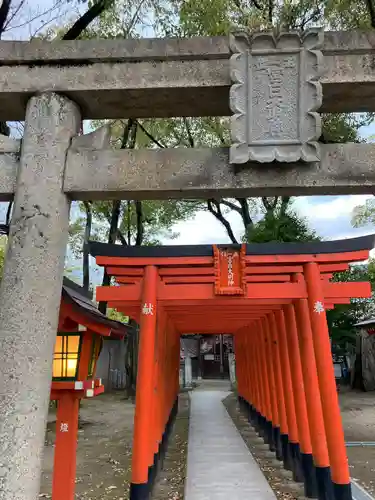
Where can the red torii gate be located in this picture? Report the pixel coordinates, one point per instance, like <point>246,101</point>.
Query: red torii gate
<point>273,298</point>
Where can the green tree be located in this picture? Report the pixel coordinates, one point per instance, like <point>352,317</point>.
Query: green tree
<point>343,317</point>
<point>364,215</point>
<point>217,17</point>
<point>285,227</point>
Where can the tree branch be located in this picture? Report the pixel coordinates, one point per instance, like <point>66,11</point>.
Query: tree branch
<point>125,135</point>
<point>4,228</point>
<point>86,19</point>
<point>188,130</point>
<point>240,6</point>
<point>86,239</point>
<point>129,221</point>
<point>140,225</point>
<point>270,12</point>
<point>4,12</point>
<point>112,237</point>
<point>231,205</point>
<point>270,205</point>
<point>133,20</point>
<point>13,14</point>
<point>245,213</point>
<point>9,213</point>
<point>151,137</point>
<point>313,16</point>
<point>371,11</point>
<point>130,133</point>
<point>214,207</point>
<point>121,237</point>
<point>284,204</point>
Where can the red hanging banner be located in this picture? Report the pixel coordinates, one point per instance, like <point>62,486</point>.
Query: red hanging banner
<point>230,278</point>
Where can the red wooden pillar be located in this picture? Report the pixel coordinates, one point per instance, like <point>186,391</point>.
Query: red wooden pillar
<point>155,403</point>
<point>293,438</point>
<point>249,374</point>
<point>170,376</point>
<point>255,376</point>
<point>313,400</point>
<point>253,383</point>
<point>64,469</point>
<point>238,354</point>
<point>273,390</point>
<point>140,485</point>
<point>268,434</point>
<point>169,372</point>
<point>245,373</point>
<point>275,346</point>
<point>299,396</point>
<point>240,365</point>
<point>173,379</point>
<point>163,374</point>
<point>327,384</point>
<point>262,399</point>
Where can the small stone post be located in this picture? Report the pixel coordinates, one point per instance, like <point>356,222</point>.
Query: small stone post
<point>232,369</point>
<point>30,292</point>
<point>181,377</point>
<point>188,371</point>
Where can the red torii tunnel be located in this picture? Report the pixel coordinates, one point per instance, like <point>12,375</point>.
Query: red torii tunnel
<point>272,297</point>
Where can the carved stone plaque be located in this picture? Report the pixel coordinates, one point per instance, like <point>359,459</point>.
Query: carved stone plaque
<point>274,97</point>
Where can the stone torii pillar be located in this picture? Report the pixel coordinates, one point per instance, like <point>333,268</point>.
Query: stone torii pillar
<point>31,290</point>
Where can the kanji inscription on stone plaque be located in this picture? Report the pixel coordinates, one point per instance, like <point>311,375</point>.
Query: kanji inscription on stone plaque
<point>274,97</point>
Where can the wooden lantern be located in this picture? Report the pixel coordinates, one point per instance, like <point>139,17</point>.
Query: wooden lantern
<point>78,344</point>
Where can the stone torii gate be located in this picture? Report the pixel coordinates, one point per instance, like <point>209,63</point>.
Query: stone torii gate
<point>53,86</point>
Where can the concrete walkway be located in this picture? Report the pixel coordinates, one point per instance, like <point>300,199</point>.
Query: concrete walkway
<point>220,466</point>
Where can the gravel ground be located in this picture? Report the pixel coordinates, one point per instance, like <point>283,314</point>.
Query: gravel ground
<point>105,439</point>
<point>358,416</point>
<point>171,480</point>
<point>104,451</point>
<point>279,479</point>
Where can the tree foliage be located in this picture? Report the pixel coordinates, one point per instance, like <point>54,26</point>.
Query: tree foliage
<point>343,317</point>
<point>364,215</point>
<point>285,227</point>
<point>132,222</point>
<point>210,18</point>
<point>218,17</point>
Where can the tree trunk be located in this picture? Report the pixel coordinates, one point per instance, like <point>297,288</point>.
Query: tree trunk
<point>112,237</point>
<point>4,12</point>
<point>129,131</point>
<point>96,9</point>
<point>86,256</point>
<point>140,225</point>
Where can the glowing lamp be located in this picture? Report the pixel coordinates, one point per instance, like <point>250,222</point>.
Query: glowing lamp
<point>66,356</point>
<point>75,356</point>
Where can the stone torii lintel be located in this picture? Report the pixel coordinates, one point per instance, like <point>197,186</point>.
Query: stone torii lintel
<point>95,172</point>
<point>202,173</point>
<point>165,77</point>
